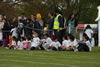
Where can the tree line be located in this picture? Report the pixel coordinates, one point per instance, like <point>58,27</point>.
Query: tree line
<point>86,10</point>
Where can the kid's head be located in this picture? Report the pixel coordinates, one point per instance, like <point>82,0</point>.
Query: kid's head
<point>85,37</point>
<point>28,38</point>
<point>72,38</point>
<point>55,39</point>
<point>22,39</point>
<point>46,36</point>
<point>28,20</point>
<point>14,38</point>
<point>68,36</point>
<point>35,34</point>
<point>33,31</point>
<point>65,38</point>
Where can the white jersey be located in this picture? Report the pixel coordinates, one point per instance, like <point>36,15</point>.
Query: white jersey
<point>14,32</point>
<point>89,33</point>
<point>66,43</point>
<point>46,42</point>
<point>55,44</point>
<point>1,36</point>
<point>73,43</point>
<point>20,44</point>
<point>14,43</point>
<point>1,25</point>
<point>36,42</point>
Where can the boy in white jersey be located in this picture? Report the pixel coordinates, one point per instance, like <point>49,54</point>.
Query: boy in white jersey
<point>55,45</point>
<point>46,41</point>
<point>65,43</point>
<point>35,42</point>
<point>14,43</point>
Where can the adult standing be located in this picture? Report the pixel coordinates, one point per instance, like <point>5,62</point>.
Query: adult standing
<point>1,27</point>
<point>98,19</point>
<point>72,24</point>
<point>39,20</point>
<point>5,30</point>
<point>50,23</point>
<point>58,25</point>
<point>27,29</point>
<point>13,22</point>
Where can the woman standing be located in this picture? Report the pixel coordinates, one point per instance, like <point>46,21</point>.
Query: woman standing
<point>5,30</point>
<point>72,24</point>
<point>1,26</point>
<point>50,23</point>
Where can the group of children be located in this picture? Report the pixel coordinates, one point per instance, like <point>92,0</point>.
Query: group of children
<point>70,43</point>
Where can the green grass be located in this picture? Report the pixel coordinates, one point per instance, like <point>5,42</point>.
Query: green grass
<point>25,58</point>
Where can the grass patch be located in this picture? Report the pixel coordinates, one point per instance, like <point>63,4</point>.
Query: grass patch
<point>25,58</point>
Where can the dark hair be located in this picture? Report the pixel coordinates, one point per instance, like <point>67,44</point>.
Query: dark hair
<point>29,20</point>
<point>14,38</point>
<point>72,38</point>
<point>71,16</point>
<point>88,27</point>
<point>85,35</point>
<point>65,37</point>
<point>46,35</point>
<point>29,37</point>
<point>22,38</point>
<point>57,10</point>
<point>69,34</point>
<point>52,14</point>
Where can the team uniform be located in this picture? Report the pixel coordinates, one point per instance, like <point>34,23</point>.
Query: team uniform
<point>35,43</point>
<point>66,43</point>
<point>73,43</point>
<point>89,33</point>
<point>14,32</point>
<point>55,45</point>
<point>46,42</point>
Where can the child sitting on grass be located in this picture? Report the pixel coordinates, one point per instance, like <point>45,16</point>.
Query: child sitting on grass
<point>73,43</point>
<point>35,42</point>
<point>65,43</point>
<point>85,44</point>
<point>45,42</point>
<point>55,45</point>
<point>14,43</point>
<point>26,43</point>
<point>20,43</point>
<point>69,43</point>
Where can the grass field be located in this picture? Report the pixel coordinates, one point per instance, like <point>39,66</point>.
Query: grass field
<point>25,58</point>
